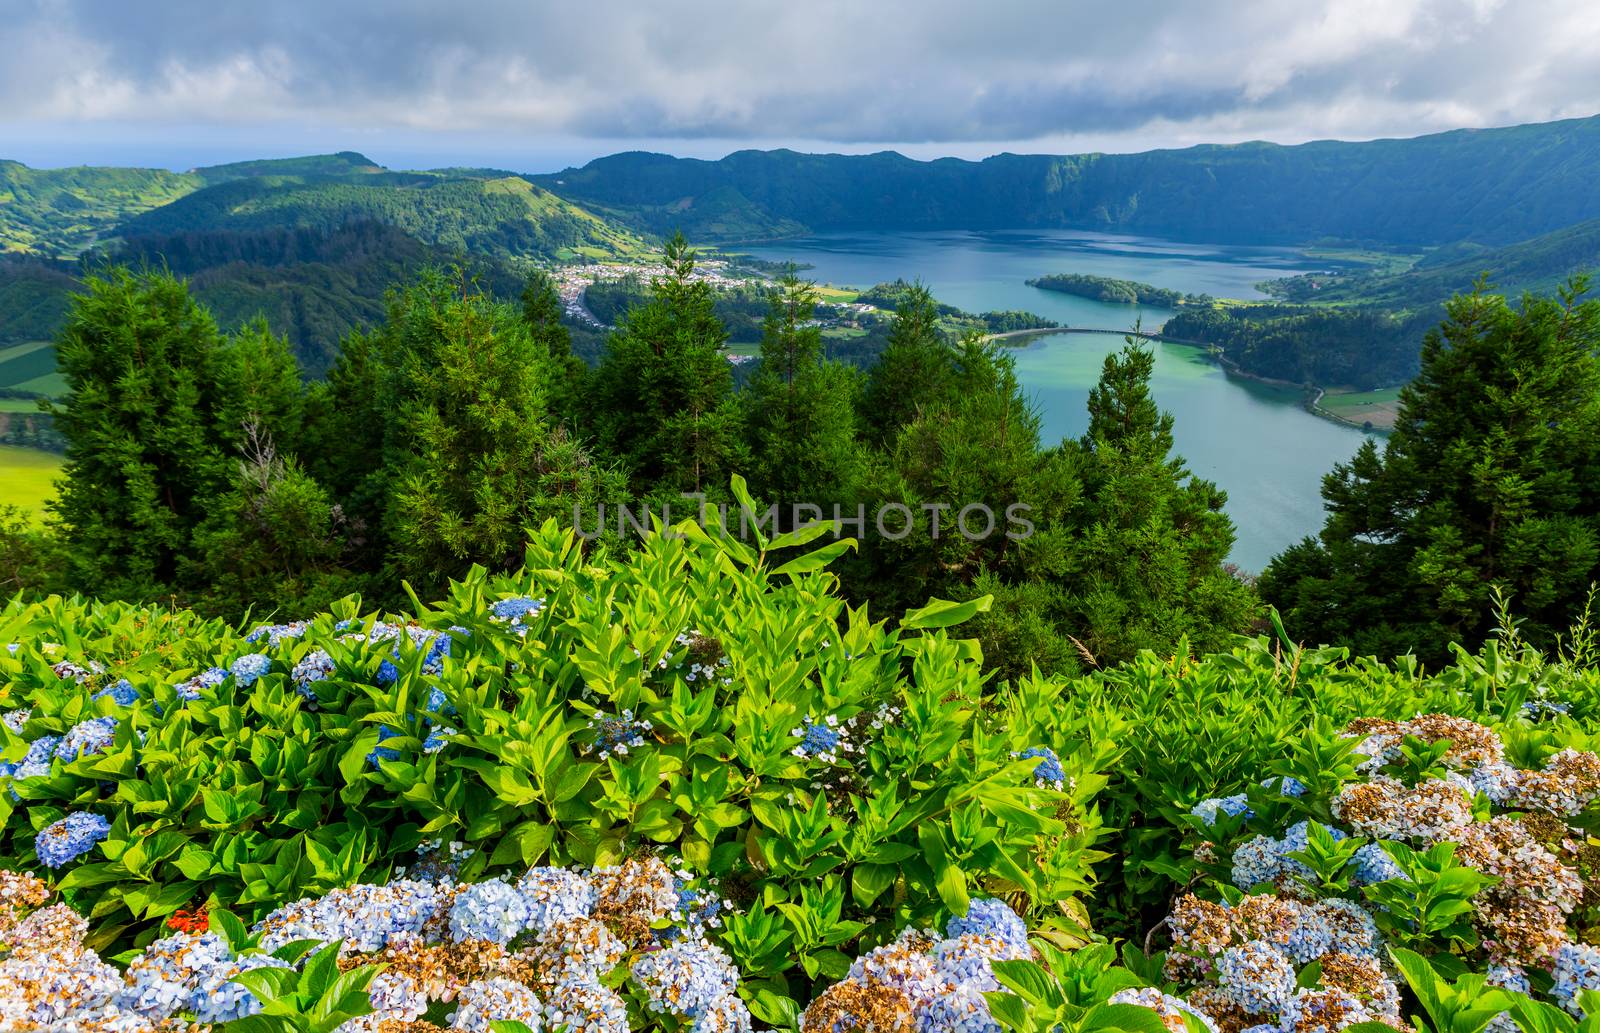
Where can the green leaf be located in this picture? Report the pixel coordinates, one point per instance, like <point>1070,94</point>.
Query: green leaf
<point>942,613</point>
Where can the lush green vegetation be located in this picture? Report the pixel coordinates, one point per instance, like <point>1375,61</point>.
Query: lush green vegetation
<point>1121,292</point>
<point>1541,264</point>
<point>507,216</point>
<point>822,781</point>
<point>1488,484</point>
<point>1359,348</point>
<point>61,212</point>
<point>1495,186</point>
<point>27,476</point>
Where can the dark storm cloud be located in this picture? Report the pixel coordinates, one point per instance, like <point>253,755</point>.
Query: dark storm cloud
<point>1015,72</point>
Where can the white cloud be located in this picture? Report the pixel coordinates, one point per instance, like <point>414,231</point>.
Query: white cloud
<point>926,75</point>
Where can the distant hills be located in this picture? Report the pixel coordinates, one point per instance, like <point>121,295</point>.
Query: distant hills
<point>312,242</point>
<point>60,213</point>
<point>1540,264</point>
<point>1491,186</point>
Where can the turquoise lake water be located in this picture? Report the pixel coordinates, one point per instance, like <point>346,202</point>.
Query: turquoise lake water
<point>1255,441</point>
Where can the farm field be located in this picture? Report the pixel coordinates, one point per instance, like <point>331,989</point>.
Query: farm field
<point>27,477</point>
<point>1379,408</point>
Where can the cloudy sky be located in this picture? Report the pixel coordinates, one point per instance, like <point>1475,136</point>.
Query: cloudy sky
<point>534,85</point>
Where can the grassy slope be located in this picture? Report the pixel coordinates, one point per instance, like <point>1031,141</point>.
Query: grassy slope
<point>60,212</point>
<point>506,217</point>
<point>1540,264</point>
<point>27,476</point>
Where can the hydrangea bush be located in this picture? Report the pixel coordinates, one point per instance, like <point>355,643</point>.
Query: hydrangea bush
<point>1396,853</point>
<point>701,698</point>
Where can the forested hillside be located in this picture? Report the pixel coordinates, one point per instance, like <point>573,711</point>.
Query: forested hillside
<point>1495,186</point>
<point>1539,264</point>
<point>506,216</point>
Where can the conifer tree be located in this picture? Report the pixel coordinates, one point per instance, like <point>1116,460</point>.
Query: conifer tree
<point>541,311</point>
<point>149,423</point>
<point>914,370</point>
<point>471,455</point>
<point>1491,479</point>
<point>800,409</point>
<point>1148,565</point>
<point>663,395</point>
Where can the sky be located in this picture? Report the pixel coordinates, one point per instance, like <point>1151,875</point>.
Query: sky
<point>535,85</point>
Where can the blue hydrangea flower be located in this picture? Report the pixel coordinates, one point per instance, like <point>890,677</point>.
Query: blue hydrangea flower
<point>987,916</point>
<point>685,978</point>
<point>164,976</point>
<point>616,735</point>
<point>963,1010</point>
<point>1373,864</point>
<point>89,736</point>
<point>1206,810</point>
<point>16,720</point>
<point>219,999</point>
<point>1576,968</point>
<point>438,703</point>
<point>388,673</point>
<point>1285,785</point>
<point>276,633</point>
<point>70,838</point>
<point>517,609</point>
<point>550,895</point>
<point>248,668</point>
<point>1256,976</point>
<point>437,740</point>
<point>819,739</point>
<point>1048,772</point>
<point>491,910</point>
<point>121,692</point>
<point>37,761</point>
<point>210,678</point>
<point>380,752</point>
<point>315,666</point>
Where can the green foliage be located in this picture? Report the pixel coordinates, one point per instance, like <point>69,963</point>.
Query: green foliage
<point>1359,348</point>
<point>1122,292</point>
<point>914,369</point>
<point>60,212</point>
<point>1067,991</point>
<point>1432,901</point>
<point>249,795</point>
<point>663,394</point>
<point>158,401</point>
<point>799,408</point>
<point>1488,482</point>
<point>314,998</point>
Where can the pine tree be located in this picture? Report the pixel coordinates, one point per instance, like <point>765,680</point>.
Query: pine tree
<point>1491,479</point>
<point>146,426</point>
<point>800,409</point>
<point>471,456</point>
<point>914,370</point>
<point>1148,564</point>
<point>541,311</point>
<point>663,395</point>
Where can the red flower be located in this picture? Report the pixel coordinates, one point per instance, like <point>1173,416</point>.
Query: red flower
<point>196,921</point>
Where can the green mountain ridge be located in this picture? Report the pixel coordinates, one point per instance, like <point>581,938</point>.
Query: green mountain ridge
<point>1539,264</point>
<point>1496,186</point>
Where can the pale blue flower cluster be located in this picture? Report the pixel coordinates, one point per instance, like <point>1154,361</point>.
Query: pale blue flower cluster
<point>1576,968</point>
<point>686,978</point>
<point>89,736</point>
<point>165,976</point>
<point>220,999</point>
<point>492,911</point>
<point>943,980</point>
<point>819,739</point>
<point>1373,864</point>
<point>249,668</point>
<point>1256,976</point>
<point>495,1000</point>
<point>1207,810</point>
<point>190,688</point>
<point>1048,773</point>
<point>121,692</point>
<point>315,666</point>
<point>517,613</point>
<point>615,736</point>
<point>70,838</point>
<point>274,634</point>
